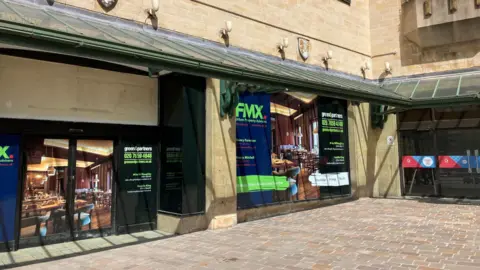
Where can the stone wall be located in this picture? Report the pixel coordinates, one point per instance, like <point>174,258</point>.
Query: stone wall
<point>221,158</point>
<point>386,22</point>
<point>374,165</point>
<point>355,33</point>
<point>261,24</point>
<point>61,92</point>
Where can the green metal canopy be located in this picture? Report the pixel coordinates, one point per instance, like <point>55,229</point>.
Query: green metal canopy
<point>440,91</point>
<point>65,30</point>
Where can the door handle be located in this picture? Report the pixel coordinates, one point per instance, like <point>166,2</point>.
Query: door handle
<point>476,160</point>
<point>468,159</point>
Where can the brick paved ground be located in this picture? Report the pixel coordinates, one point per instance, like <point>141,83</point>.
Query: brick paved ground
<point>364,234</point>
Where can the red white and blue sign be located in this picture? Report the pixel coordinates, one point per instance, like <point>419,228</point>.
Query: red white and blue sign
<point>453,162</point>
<point>425,162</point>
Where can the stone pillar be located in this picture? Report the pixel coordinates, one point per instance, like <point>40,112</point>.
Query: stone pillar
<point>387,169</point>
<point>221,173</point>
<point>355,182</point>
<point>374,165</point>
<point>361,161</point>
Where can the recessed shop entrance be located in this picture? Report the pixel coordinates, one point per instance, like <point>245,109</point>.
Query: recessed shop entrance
<point>459,164</point>
<point>450,138</point>
<point>80,149</point>
<point>66,181</point>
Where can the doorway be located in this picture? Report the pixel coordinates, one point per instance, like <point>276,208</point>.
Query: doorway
<point>459,164</point>
<point>66,187</point>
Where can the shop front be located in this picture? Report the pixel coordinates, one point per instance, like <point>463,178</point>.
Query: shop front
<point>439,149</point>
<point>291,147</point>
<point>80,156</point>
<point>80,147</point>
<point>111,126</point>
<point>451,141</point>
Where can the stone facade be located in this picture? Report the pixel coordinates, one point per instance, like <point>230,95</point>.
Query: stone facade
<point>374,165</point>
<point>260,25</point>
<point>365,31</point>
<point>387,23</point>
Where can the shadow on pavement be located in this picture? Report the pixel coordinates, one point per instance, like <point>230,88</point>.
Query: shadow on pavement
<point>139,240</point>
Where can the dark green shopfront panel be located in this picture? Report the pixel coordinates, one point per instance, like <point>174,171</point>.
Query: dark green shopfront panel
<point>182,185</point>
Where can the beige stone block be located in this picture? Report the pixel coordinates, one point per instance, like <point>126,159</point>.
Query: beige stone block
<point>181,225</point>
<point>168,224</point>
<point>223,221</point>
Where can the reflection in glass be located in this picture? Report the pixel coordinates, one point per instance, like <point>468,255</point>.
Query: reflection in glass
<point>93,185</point>
<point>298,140</point>
<point>44,202</point>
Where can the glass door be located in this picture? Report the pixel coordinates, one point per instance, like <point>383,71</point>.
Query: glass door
<point>459,165</point>
<point>46,200</point>
<point>93,185</point>
<point>67,187</point>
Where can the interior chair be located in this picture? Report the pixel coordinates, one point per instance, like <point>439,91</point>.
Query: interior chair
<point>58,219</point>
<point>83,216</point>
<point>37,222</point>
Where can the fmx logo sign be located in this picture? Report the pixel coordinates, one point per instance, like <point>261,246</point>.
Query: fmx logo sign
<point>5,158</point>
<point>250,112</point>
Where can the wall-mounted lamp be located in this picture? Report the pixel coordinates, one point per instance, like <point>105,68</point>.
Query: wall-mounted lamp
<point>283,45</point>
<point>152,12</point>
<point>328,56</point>
<point>228,28</point>
<point>452,6</point>
<point>365,67</point>
<point>388,68</point>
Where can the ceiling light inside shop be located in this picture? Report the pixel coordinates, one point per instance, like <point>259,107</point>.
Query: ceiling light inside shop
<point>280,109</point>
<point>298,116</point>
<point>98,147</point>
<point>48,163</point>
<point>304,97</point>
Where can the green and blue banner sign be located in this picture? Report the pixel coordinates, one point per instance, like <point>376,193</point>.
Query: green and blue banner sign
<point>255,182</point>
<point>9,162</point>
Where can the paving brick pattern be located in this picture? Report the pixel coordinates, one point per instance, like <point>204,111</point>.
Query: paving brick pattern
<point>364,234</point>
